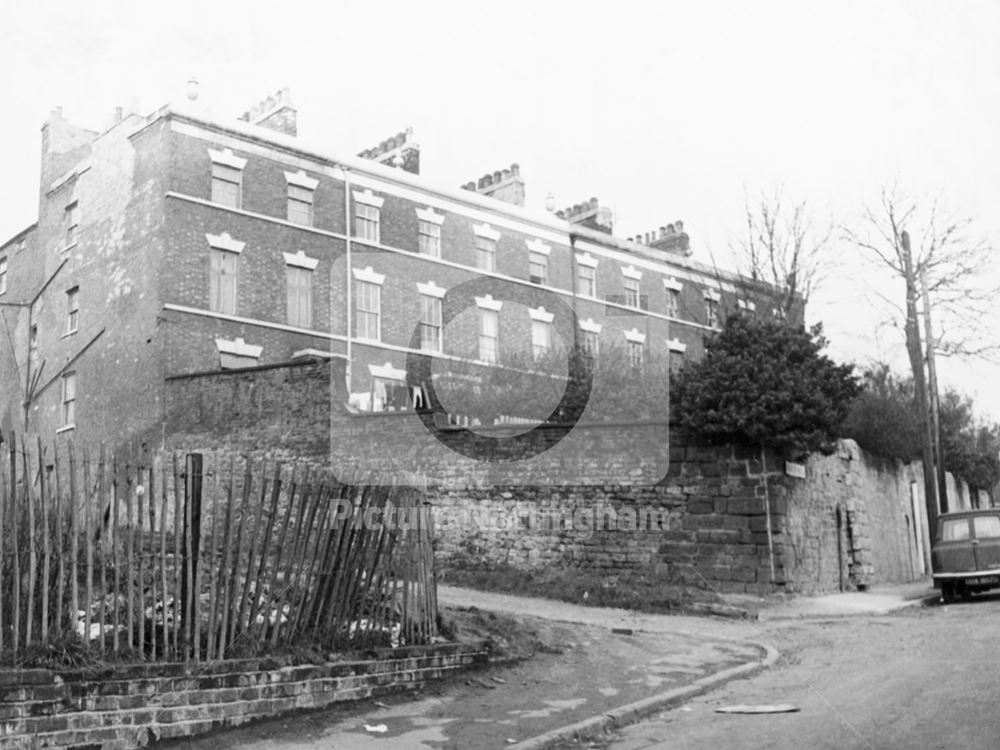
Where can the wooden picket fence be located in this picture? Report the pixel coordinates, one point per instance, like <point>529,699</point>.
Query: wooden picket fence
<point>199,556</point>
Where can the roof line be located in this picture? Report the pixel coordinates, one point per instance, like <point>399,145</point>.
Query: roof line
<point>300,147</point>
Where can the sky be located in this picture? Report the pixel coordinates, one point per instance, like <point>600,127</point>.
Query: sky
<point>662,110</point>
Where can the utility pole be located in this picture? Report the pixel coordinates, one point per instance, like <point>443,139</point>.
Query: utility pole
<point>913,349</point>
<point>932,387</point>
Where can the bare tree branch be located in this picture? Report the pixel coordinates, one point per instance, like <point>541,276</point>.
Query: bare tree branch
<point>784,248</point>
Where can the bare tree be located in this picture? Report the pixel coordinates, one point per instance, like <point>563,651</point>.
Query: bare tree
<point>784,246</point>
<point>956,262</point>
<point>954,267</point>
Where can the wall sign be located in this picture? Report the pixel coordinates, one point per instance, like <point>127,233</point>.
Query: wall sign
<point>795,470</point>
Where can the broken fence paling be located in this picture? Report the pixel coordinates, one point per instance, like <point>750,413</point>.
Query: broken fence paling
<point>169,555</point>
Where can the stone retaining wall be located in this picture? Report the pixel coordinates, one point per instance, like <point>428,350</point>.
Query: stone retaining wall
<point>131,706</point>
<point>694,514</point>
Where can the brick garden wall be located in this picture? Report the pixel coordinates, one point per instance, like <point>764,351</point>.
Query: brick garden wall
<point>701,522</point>
<point>132,706</point>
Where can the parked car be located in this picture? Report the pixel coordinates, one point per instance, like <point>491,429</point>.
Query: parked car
<point>966,553</point>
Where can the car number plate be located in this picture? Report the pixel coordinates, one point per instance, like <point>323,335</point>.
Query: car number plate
<point>985,581</point>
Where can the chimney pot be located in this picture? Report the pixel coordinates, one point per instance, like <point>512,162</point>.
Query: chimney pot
<point>680,225</point>
<point>503,184</point>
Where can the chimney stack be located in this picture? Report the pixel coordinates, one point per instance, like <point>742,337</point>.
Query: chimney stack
<point>276,112</point>
<point>670,238</point>
<point>589,214</point>
<point>398,151</point>
<point>505,185</point>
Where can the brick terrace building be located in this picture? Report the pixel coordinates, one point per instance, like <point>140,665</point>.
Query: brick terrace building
<point>180,243</point>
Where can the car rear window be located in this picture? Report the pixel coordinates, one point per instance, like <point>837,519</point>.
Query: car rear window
<point>987,527</point>
<point>955,530</point>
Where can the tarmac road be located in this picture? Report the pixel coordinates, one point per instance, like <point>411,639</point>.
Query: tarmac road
<point>916,678</point>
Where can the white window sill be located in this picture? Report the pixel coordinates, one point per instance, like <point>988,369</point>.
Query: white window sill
<point>67,428</point>
<point>70,333</point>
<point>68,248</point>
<point>368,340</point>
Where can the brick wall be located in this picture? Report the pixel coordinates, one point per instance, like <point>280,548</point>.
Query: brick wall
<point>261,266</point>
<point>131,706</point>
<point>143,190</point>
<point>116,185</point>
<point>284,408</point>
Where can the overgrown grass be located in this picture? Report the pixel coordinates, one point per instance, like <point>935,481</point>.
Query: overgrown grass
<point>68,652</point>
<point>64,652</point>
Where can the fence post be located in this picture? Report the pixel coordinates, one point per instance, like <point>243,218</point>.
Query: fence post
<point>193,475</point>
<point>74,544</point>
<point>4,502</point>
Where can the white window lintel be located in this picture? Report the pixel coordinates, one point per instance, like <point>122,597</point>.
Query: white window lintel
<point>368,198</point>
<point>630,272</point>
<point>238,348</point>
<point>368,274</point>
<point>746,304</point>
<point>431,289</point>
<point>430,216</point>
<point>225,242</point>
<point>713,295</point>
<point>673,284</point>
<point>387,372</point>
<point>586,259</point>
<point>227,158</point>
<point>485,230</point>
<point>590,326</point>
<point>537,246</point>
<point>542,315</point>
<point>301,260</point>
<point>301,179</point>
<point>488,303</point>
<point>676,345</point>
<point>635,336</point>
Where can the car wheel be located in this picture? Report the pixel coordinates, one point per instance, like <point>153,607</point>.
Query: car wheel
<point>965,593</point>
<point>947,593</point>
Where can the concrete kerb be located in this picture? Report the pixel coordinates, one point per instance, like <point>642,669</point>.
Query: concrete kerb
<point>633,712</point>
